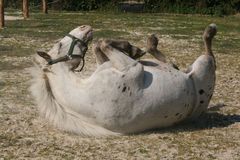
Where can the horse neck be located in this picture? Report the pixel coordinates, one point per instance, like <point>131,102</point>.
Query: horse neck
<point>66,86</point>
<point>65,116</point>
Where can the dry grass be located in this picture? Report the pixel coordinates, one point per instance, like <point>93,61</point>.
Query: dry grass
<point>216,135</point>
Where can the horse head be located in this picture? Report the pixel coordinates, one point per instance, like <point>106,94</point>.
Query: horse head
<point>71,49</point>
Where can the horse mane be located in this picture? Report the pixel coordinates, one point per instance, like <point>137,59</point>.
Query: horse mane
<point>60,116</point>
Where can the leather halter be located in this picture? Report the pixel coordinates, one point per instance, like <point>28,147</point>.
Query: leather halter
<point>70,54</point>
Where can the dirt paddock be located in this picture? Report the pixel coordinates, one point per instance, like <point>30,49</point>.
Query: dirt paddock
<point>215,135</point>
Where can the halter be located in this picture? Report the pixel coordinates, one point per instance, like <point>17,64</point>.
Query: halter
<point>70,54</point>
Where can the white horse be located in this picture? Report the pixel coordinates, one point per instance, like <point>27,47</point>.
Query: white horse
<point>123,95</point>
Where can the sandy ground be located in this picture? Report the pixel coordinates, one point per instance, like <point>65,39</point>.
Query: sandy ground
<point>12,18</point>
<point>24,135</point>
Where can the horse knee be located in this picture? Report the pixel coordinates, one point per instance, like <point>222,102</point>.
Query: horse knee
<point>96,48</point>
<point>105,44</point>
<point>96,45</point>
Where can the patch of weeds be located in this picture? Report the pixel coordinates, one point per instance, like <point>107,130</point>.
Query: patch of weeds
<point>13,66</point>
<point>2,84</point>
<point>19,52</point>
<point>110,34</point>
<point>228,46</point>
<point>177,36</point>
<point>6,66</point>
<point>4,48</point>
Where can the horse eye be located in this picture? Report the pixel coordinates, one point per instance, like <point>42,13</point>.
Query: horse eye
<point>82,27</point>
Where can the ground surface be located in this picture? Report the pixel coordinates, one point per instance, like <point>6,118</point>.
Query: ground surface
<point>216,135</point>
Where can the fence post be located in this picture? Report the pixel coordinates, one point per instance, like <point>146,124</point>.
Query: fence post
<point>25,9</point>
<point>44,6</point>
<point>1,14</point>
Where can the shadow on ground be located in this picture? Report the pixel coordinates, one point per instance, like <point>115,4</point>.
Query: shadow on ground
<point>211,119</point>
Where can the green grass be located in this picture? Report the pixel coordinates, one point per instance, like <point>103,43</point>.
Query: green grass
<point>56,24</point>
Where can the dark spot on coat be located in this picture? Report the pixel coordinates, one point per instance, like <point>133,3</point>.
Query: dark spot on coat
<point>180,116</point>
<point>210,96</point>
<point>124,89</point>
<point>128,88</point>
<point>201,102</point>
<point>115,100</point>
<point>165,116</point>
<point>201,91</point>
<point>130,93</point>
<point>123,75</point>
<point>176,114</point>
<point>119,87</point>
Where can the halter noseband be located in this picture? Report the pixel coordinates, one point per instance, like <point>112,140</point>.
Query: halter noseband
<point>70,54</point>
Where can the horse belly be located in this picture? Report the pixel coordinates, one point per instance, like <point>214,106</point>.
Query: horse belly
<point>168,98</point>
<point>114,98</point>
<point>165,98</point>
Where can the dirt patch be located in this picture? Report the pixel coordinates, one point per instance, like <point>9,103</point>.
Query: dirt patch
<point>13,18</point>
<point>24,134</point>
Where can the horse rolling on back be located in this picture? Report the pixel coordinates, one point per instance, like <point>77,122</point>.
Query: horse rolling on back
<point>123,95</point>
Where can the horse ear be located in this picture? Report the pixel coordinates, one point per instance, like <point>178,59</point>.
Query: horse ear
<point>44,55</point>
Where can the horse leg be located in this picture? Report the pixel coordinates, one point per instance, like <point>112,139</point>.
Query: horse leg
<point>203,73</point>
<point>152,43</point>
<point>100,56</point>
<point>125,47</point>
<point>208,35</point>
<point>119,60</point>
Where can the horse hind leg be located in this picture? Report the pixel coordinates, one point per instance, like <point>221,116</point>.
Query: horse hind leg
<point>208,35</point>
<point>152,43</point>
<point>203,74</point>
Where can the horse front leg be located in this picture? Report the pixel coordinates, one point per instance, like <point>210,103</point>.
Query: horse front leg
<point>100,56</point>
<point>125,47</point>
<point>116,51</point>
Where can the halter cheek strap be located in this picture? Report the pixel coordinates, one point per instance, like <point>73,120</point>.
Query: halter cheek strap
<point>70,54</point>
